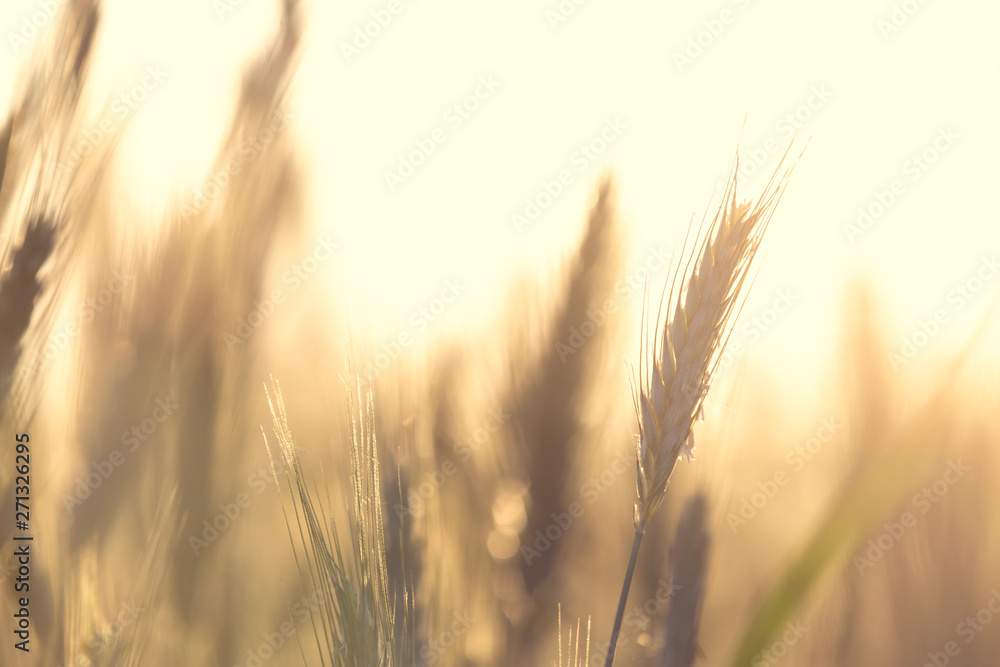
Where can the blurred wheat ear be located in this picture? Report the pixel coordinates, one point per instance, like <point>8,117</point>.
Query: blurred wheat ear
<point>123,646</point>
<point>870,497</point>
<point>4,147</point>
<point>19,289</point>
<point>690,564</point>
<point>548,398</point>
<point>358,625</point>
<point>677,369</point>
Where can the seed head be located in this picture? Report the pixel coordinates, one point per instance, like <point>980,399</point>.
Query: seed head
<point>677,366</point>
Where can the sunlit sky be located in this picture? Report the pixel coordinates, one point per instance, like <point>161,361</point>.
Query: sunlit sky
<point>869,100</point>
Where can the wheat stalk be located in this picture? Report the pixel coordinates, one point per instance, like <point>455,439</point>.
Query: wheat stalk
<point>357,621</point>
<point>576,656</point>
<point>676,371</point>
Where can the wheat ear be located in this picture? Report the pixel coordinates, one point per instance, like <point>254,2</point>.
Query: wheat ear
<point>691,548</point>
<point>19,290</point>
<point>677,368</point>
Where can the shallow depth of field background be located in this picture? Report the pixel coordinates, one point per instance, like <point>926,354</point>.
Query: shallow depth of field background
<point>849,327</point>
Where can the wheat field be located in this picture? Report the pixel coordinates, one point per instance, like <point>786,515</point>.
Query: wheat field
<point>238,434</point>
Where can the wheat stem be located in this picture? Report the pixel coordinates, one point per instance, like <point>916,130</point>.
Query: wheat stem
<point>678,368</point>
<point>626,585</point>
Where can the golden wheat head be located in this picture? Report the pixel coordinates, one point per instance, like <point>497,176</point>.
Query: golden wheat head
<point>678,366</point>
